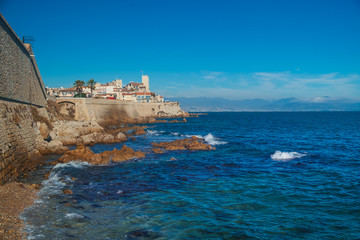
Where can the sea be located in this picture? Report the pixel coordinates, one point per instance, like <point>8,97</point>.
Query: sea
<point>273,175</point>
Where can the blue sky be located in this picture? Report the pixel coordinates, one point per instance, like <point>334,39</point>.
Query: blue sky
<point>231,49</point>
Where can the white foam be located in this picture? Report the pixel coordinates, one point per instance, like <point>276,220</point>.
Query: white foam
<point>175,134</point>
<point>53,185</point>
<point>209,138</point>
<point>286,156</point>
<point>152,132</point>
<point>189,136</point>
<point>75,164</point>
<point>74,216</point>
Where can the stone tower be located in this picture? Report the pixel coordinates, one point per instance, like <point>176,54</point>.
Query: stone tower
<point>145,81</point>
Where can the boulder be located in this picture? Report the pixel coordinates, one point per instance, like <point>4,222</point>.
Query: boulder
<point>108,138</point>
<point>89,139</point>
<point>121,137</point>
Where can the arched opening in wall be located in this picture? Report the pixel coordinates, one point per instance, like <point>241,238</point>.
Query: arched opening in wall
<point>67,108</point>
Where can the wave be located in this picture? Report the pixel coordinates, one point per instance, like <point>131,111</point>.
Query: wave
<point>75,164</point>
<point>189,136</point>
<point>53,185</point>
<point>154,132</point>
<point>209,138</point>
<point>286,156</point>
<point>74,216</point>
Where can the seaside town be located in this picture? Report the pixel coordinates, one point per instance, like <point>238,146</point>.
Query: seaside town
<point>114,90</point>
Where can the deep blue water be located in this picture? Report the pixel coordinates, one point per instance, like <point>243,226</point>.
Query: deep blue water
<point>308,190</point>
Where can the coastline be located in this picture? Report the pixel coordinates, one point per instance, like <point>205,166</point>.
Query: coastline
<point>63,132</point>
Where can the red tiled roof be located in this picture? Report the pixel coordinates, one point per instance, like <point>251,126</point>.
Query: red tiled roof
<point>68,90</point>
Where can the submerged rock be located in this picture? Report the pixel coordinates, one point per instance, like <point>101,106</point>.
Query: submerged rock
<point>193,143</point>
<point>139,131</point>
<point>68,191</point>
<point>157,150</point>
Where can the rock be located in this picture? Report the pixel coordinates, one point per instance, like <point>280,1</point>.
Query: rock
<point>68,191</point>
<point>125,153</point>
<point>139,131</point>
<point>173,121</point>
<point>35,186</point>
<point>184,120</point>
<point>44,130</point>
<point>193,143</point>
<point>160,121</point>
<point>157,150</point>
<point>89,139</point>
<point>46,175</point>
<point>108,138</point>
<point>82,153</point>
<point>151,120</point>
<point>55,144</point>
<point>69,141</point>
<point>121,137</point>
<point>52,147</point>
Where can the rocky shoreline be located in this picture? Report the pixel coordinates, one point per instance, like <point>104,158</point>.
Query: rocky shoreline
<point>57,132</point>
<point>14,198</point>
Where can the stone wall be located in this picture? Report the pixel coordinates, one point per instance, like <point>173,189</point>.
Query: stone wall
<point>17,138</point>
<point>20,79</point>
<point>100,110</point>
<point>21,89</point>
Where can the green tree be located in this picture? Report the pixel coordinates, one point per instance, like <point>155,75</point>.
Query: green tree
<point>91,85</point>
<point>78,84</point>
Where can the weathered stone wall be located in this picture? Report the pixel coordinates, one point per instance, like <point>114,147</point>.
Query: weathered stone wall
<point>100,110</point>
<point>20,79</point>
<point>103,109</point>
<point>21,88</point>
<point>17,138</point>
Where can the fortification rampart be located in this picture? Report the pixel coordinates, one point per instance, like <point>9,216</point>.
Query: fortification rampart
<point>100,110</point>
<point>19,75</point>
<point>21,89</point>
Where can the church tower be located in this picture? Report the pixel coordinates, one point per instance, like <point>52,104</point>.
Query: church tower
<point>145,81</point>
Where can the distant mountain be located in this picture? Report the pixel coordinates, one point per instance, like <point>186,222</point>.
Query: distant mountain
<point>203,104</point>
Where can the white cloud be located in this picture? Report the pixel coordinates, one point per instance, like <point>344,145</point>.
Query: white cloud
<point>271,85</point>
<point>217,76</point>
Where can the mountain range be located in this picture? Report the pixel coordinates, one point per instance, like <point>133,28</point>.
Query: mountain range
<point>204,104</point>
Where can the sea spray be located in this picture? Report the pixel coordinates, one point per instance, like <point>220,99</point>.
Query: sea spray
<point>286,156</point>
<point>209,138</point>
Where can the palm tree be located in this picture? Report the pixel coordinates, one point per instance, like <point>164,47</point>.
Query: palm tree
<point>78,84</point>
<point>91,85</point>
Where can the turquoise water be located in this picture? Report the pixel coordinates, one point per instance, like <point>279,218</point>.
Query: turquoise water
<point>272,176</point>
